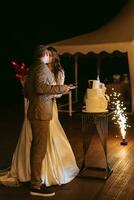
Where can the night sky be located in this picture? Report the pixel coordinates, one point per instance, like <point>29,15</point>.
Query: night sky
<point>26,24</point>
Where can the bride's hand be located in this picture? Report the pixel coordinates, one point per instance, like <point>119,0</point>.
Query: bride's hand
<point>23,80</point>
<point>66,88</point>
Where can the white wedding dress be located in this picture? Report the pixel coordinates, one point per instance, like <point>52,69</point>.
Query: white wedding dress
<point>59,165</point>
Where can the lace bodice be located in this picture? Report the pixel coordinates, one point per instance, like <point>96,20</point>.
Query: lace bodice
<point>60,81</point>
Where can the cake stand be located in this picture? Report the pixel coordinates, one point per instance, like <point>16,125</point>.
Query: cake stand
<point>100,119</point>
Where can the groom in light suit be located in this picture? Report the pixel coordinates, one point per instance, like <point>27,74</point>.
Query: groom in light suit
<point>39,90</point>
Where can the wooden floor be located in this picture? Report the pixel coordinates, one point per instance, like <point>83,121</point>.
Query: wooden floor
<point>119,185</point>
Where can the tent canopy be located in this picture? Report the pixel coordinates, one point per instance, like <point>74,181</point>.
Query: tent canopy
<point>118,34</point>
<point>115,35</point>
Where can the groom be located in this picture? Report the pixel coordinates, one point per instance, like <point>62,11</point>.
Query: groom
<point>39,90</point>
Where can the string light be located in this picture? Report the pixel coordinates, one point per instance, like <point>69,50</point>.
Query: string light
<point>119,116</point>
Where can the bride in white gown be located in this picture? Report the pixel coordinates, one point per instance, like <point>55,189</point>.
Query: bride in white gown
<point>59,165</point>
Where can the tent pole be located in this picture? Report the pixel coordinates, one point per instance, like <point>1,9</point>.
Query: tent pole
<point>131,72</point>
<point>76,77</point>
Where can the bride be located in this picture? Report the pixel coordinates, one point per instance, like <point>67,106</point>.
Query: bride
<point>59,165</point>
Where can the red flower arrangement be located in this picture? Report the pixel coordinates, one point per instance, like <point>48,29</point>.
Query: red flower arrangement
<point>20,70</point>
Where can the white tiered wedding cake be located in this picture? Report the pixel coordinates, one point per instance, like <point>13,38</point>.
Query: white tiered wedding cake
<point>96,99</point>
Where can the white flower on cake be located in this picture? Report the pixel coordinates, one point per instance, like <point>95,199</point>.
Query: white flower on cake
<point>96,98</point>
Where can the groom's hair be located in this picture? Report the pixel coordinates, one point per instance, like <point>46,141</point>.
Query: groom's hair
<point>40,51</point>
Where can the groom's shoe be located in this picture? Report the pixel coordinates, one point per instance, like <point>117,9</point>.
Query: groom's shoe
<point>43,192</point>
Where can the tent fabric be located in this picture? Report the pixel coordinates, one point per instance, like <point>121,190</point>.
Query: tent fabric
<point>118,34</point>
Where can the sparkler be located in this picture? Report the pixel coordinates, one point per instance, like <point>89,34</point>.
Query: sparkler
<point>119,117</point>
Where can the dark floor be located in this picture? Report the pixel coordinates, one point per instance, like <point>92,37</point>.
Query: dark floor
<point>119,185</point>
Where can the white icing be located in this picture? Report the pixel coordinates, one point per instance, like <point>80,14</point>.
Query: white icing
<point>96,100</point>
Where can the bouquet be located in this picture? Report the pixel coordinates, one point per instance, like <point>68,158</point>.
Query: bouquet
<point>20,69</point>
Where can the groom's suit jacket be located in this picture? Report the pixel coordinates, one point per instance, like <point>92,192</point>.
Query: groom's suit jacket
<point>39,91</point>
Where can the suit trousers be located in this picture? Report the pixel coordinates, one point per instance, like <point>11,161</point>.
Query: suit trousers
<point>40,131</point>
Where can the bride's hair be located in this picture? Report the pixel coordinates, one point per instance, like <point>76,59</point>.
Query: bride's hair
<point>56,61</point>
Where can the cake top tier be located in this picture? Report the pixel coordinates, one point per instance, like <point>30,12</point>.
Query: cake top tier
<point>95,84</point>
